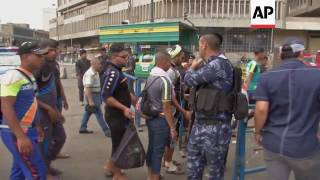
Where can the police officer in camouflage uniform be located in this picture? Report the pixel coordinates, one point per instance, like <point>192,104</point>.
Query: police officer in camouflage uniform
<point>210,135</point>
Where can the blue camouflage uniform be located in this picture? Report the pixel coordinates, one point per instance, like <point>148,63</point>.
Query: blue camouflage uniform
<point>209,142</point>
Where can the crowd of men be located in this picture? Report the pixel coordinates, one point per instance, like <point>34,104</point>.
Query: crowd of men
<point>286,115</point>
<point>32,98</point>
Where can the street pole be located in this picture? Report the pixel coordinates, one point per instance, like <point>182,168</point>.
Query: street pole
<point>71,34</point>
<point>57,23</point>
<point>152,11</point>
<point>57,26</point>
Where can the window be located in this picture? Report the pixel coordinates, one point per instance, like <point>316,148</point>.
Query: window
<point>242,40</point>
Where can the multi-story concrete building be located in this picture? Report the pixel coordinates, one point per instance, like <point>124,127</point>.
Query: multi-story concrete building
<point>14,34</point>
<point>47,15</point>
<point>79,20</point>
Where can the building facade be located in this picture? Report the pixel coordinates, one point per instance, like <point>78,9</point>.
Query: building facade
<point>47,15</point>
<point>15,34</point>
<point>79,20</point>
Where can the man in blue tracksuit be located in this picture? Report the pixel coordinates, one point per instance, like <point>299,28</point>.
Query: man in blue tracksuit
<point>20,130</point>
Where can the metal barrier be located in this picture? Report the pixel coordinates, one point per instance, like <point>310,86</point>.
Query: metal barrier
<point>137,90</point>
<point>240,170</point>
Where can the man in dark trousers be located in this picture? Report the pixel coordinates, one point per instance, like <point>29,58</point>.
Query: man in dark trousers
<point>82,65</point>
<point>48,81</point>
<point>117,98</point>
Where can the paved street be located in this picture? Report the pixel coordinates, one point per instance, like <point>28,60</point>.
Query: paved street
<point>90,151</point>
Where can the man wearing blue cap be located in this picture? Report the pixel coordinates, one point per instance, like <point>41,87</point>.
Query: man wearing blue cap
<point>287,116</point>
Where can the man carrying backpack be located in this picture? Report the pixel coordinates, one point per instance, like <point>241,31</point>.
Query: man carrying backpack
<point>212,80</point>
<point>21,115</point>
<point>157,106</point>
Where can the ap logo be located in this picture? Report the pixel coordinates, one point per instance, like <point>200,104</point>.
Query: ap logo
<point>263,14</point>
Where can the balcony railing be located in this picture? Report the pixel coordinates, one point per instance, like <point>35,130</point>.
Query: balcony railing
<point>297,5</point>
<point>304,8</point>
<point>166,10</point>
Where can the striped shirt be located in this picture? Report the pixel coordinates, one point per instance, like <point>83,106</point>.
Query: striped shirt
<point>159,91</point>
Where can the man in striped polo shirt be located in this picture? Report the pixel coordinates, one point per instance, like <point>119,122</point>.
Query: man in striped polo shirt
<point>161,127</point>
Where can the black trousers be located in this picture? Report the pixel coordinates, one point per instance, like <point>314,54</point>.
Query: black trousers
<point>81,89</point>
<point>117,125</point>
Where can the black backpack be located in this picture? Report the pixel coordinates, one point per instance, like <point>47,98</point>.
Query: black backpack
<point>240,106</point>
<point>146,106</point>
<point>28,78</point>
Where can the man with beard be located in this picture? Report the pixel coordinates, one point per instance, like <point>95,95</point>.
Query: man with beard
<point>47,82</point>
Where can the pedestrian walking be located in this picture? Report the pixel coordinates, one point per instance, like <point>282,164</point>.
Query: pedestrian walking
<point>116,95</point>
<point>82,65</point>
<point>47,81</point>
<point>91,82</point>
<point>62,102</point>
<point>22,132</point>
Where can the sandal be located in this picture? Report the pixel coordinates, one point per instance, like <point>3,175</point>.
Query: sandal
<point>178,171</point>
<point>108,174</point>
<point>63,156</point>
<point>50,177</point>
<point>54,172</point>
<point>182,154</point>
<point>176,163</point>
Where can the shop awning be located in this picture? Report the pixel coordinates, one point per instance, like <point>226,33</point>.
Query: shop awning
<point>141,33</point>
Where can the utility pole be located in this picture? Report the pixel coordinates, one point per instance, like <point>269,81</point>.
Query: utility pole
<point>152,11</point>
<point>129,10</point>
<point>57,23</point>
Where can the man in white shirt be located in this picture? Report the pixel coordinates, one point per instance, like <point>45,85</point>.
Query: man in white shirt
<point>91,82</point>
